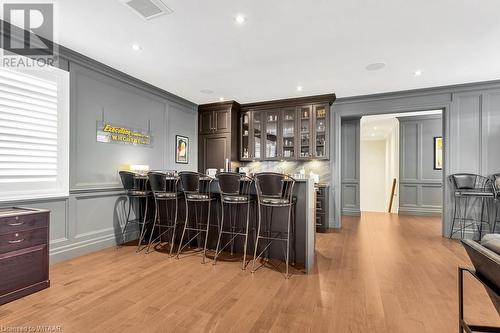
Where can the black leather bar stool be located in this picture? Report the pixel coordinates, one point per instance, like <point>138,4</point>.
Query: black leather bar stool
<point>468,189</point>
<point>235,192</point>
<point>136,188</point>
<point>197,191</point>
<point>164,188</point>
<point>274,191</point>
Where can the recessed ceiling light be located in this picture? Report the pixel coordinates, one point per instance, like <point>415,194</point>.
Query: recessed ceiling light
<point>240,19</point>
<point>136,47</point>
<point>375,66</point>
<point>418,72</point>
<point>299,88</point>
<point>221,99</point>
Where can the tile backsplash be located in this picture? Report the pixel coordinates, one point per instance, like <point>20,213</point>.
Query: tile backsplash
<point>322,168</point>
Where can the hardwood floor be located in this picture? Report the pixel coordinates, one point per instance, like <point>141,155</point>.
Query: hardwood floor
<point>380,273</point>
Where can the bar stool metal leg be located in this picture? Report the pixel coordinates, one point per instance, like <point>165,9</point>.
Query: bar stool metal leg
<point>256,240</point>
<point>183,230</point>
<point>175,226</point>
<point>156,219</point>
<point>243,267</point>
<point>220,232</point>
<point>206,233</point>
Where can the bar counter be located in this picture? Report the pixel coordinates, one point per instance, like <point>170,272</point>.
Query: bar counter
<point>303,256</point>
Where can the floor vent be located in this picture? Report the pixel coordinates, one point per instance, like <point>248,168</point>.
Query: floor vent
<point>147,9</point>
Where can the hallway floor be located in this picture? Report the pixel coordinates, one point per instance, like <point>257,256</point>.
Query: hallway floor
<point>380,273</point>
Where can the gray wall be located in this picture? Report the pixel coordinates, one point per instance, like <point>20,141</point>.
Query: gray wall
<point>471,131</point>
<point>420,185</point>
<point>350,166</point>
<point>90,218</point>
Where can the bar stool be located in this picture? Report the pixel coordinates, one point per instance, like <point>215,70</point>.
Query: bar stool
<point>467,190</point>
<point>496,204</point>
<point>235,192</point>
<point>196,188</point>
<point>136,189</point>
<point>164,188</point>
<point>274,190</point>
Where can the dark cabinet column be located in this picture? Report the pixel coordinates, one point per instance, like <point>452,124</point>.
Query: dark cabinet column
<point>215,149</point>
<point>218,140</point>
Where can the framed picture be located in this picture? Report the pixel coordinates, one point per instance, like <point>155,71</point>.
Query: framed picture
<point>438,153</point>
<point>181,149</point>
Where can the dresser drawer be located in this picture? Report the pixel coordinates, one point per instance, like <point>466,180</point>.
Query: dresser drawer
<point>10,224</point>
<point>23,268</point>
<point>23,239</point>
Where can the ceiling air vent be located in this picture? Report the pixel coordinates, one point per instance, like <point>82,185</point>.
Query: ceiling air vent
<point>147,9</point>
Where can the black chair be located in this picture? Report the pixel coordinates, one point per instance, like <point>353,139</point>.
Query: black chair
<point>235,192</point>
<point>468,189</point>
<point>485,257</point>
<point>197,190</point>
<point>164,188</point>
<point>136,189</point>
<point>274,191</point>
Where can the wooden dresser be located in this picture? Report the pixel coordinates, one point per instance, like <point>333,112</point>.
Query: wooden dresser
<point>24,252</point>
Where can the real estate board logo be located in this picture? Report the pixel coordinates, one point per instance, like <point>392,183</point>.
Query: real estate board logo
<point>28,31</point>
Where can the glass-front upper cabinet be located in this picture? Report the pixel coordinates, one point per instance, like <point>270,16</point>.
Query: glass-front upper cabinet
<point>245,145</point>
<point>288,129</point>
<point>255,154</point>
<point>271,147</point>
<point>305,129</point>
<point>321,123</point>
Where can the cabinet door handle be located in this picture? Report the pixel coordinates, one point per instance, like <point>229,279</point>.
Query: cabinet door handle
<point>16,241</point>
<point>15,224</point>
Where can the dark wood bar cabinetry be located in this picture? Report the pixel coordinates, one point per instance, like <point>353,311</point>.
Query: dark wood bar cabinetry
<point>289,129</point>
<point>292,129</point>
<point>217,139</point>
<point>24,252</point>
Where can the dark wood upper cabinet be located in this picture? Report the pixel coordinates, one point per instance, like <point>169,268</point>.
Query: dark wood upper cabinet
<point>215,118</point>
<point>293,129</point>
<point>288,134</point>
<point>205,122</point>
<point>321,131</point>
<point>222,121</point>
<point>246,136</point>
<point>305,120</point>
<point>218,134</point>
<point>272,129</point>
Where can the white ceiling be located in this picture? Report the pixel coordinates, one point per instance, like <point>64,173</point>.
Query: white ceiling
<point>322,45</point>
<point>378,127</point>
